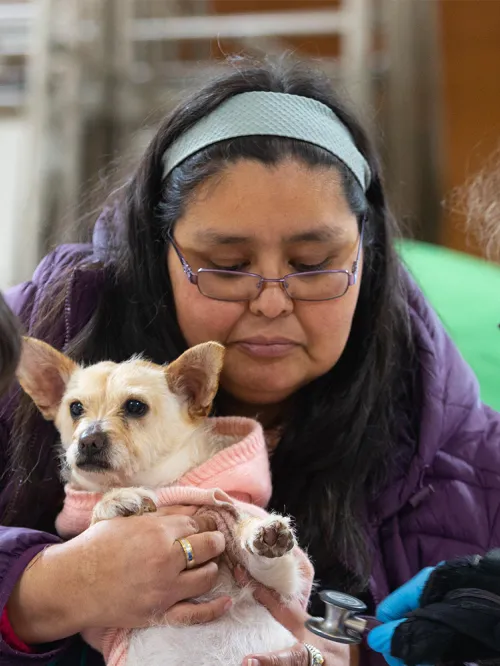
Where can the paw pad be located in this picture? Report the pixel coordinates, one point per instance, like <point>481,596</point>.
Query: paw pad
<point>274,539</point>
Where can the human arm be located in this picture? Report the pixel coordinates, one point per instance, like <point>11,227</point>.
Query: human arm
<point>293,616</point>
<point>449,613</point>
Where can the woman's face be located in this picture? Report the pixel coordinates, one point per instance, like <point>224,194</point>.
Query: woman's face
<point>271,221</point>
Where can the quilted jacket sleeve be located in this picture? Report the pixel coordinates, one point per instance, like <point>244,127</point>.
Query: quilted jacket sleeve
<point>18,546</point>
<point>447,502</point>
<point>459,458</point>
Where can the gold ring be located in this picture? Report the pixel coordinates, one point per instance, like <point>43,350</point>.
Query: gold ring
<point>315,656</point>
<point>188,552</point>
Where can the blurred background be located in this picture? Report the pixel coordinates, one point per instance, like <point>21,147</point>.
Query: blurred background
<point>84,82</point>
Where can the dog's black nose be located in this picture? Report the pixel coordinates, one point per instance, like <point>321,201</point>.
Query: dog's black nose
<point>92,442</point>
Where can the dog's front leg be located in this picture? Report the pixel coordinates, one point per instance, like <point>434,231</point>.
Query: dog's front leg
<point>124,502</point>
<point>269,545</point>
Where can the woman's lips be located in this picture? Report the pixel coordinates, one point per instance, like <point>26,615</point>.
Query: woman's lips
<point>267,347</point>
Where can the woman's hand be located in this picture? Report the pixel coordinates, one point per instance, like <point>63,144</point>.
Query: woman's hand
<point>119,573</point>
<point>293,617</point>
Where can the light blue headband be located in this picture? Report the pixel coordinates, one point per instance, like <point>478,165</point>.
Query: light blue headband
<point>271,114</point>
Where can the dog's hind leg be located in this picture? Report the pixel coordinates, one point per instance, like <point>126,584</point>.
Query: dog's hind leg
<point>271,560</point>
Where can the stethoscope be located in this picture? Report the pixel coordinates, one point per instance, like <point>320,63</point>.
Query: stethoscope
<point>342,622</point>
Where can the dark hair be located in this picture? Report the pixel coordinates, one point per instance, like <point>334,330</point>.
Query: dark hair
<point>10,345</point>
<point>342,435</point>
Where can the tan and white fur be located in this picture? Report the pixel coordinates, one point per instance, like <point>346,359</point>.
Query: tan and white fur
<point>129,428</point>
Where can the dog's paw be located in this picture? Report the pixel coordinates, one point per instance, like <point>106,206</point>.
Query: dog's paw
<point>272,537</point>
<point>124,502</point>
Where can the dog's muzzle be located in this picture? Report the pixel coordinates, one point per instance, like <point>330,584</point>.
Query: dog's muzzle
<point>93,449</point>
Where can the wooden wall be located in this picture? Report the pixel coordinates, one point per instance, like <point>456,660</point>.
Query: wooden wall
<point>470,39</point>
<point>317,46</point>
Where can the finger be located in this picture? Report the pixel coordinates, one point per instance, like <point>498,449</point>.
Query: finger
<point>263,595</point>
<point>405,599</point>
<point>294,656</point>
<point>192,584</point>
<point>291,616</point>
<point>380,638</point>
<point>393,661</point>
<point>179,526</point>
<point>268,598</point>
<point>186,613</point>
<point>205,523</point>
<point>205,547</point>
<point>241,576</point>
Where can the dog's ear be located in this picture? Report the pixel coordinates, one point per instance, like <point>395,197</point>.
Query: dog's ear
<point>44,372</point>
<point>194,377</point>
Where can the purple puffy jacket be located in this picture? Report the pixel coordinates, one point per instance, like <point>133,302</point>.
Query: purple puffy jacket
<point>447,503</point>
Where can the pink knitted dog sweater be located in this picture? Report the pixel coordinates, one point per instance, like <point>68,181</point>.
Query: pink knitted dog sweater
<point>231,485</point>
<point>240,470</point>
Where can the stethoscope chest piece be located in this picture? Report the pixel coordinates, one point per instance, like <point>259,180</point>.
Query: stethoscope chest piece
<point>341,623</point>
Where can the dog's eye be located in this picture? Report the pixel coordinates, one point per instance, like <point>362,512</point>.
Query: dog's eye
<point>135,408</point>
<point>76,409</point>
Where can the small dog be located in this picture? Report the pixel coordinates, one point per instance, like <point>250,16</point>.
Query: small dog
<point>130,429</point>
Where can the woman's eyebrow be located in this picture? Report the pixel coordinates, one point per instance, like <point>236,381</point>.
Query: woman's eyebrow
<point>315,235</point>
<point>213,237</point>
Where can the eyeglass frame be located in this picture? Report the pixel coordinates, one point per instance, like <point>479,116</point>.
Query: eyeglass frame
<point>352,275</point>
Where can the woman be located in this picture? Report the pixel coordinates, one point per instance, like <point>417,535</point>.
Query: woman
<point>380,447</point>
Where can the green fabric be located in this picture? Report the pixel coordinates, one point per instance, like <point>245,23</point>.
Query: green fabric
<point>465,292</point>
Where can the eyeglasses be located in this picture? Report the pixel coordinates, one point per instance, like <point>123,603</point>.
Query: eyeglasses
<point>224,285</point>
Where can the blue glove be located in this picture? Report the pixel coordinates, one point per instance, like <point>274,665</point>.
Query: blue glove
<point>392,612</point>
